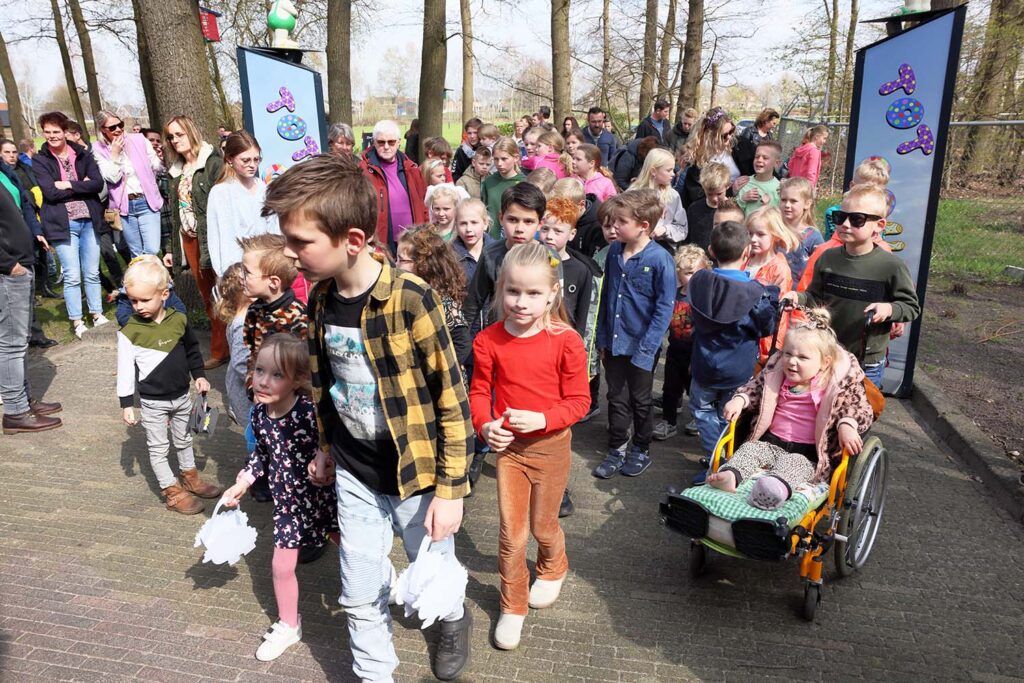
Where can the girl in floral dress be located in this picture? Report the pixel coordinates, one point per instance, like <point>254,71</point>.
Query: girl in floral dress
<point>284,423</point>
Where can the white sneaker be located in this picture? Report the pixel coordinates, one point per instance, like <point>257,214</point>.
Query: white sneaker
<point>279,638</point>
<point>393,595</point>
<point>100,320</point>
<point>508,631</point>
<point>544,593</point>
<point>80,328</point>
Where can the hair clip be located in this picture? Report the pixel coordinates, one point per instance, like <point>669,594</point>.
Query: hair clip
<point>713,117</point>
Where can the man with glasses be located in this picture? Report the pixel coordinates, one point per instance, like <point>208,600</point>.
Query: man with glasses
<point>398,183</point>
<point>130,167</point>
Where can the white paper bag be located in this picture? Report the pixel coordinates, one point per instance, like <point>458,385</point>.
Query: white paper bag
<point>227,537</point>
<point>433,586</point>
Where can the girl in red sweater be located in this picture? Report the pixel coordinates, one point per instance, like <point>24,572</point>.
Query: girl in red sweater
<point>529,387</point>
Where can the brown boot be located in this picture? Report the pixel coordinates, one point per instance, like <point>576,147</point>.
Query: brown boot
<point>191,481</point>
<point>29,422</point>
<point>42,408</point>
<point>180,500</point>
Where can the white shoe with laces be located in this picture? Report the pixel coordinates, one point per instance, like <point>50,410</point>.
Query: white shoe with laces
<point>100,320</point>
<point>80,329</point>
<point>279,638</point>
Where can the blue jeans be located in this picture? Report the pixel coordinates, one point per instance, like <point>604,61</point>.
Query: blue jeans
<point>368,522</point>
<point>80,258</point>
<point>16,302</point>
<point>874,372</point>
<point>706,407</point>
<point>141,228</point>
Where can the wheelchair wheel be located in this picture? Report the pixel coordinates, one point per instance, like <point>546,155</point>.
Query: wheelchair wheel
<point>863,506</point>
<point>812,598</point>
<point>698,559</point>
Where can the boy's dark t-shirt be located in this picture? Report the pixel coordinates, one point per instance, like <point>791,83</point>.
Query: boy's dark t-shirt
<point>701,220</point>
<point>361,442</point>
<point>577,282</point>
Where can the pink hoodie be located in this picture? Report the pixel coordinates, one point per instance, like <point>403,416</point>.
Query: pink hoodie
<point>550,160</point>
<point>806,162</point>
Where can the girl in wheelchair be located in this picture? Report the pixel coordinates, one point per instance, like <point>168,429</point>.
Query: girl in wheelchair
<point>807,405</point>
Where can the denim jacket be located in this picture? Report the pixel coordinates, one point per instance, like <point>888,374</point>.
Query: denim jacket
<point>637,297</point>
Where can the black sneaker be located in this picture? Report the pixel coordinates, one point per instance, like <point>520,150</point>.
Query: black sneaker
<point>567,507</point>
<point>452,654</point>
<point>311,553</point>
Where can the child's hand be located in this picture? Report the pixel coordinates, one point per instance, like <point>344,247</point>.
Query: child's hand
<point>62,185</point>
<point>496,436</point>
<point>751,196</point>
<point>898,330</point>
<point>850,439</point>
<point>128,415</point>
<point>525,421</point>
<point>738,184</point>
<point>880,312</point>
<point>791,297</point>
<point>321,469</point>
<point>234,494</point>
<point>733,408</point>
<point>202,385</point>
<point>444,517</point>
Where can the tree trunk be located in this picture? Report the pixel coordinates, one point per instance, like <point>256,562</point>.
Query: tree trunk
<point>830,74</point>
<point>339,60</point>
<point>227,118</point>
<point>95,100</point>
<point>561,73</point>
<point>666,51</point>
<point>691,55</point>
<point>606,54</point>
<point>432,65</point>
<point>467,60</point>
<point>848,58</point>
<point>19,131</point>
<point>650,64</point>
<point>145,72</point>
<point>178,61</point>
<point>714,86</point>
<point>69,69</point>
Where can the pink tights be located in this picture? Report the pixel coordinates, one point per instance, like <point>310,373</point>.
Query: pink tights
<point>286,586</point>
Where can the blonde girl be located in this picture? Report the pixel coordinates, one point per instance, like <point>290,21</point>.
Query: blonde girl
<point>550,154</point>
<point>305,515</point>
<point>231,307</point>
<point>507,174</point>
<point>806,159</point>
<point>472,223</point>
<point>656,175</point>
<point>586,163</point>
<point>529,387</point>
<point>441,202</point>
<point>433,172</point>
<point>796,202</point>
<point>770,241</point>
<point>809,404</point>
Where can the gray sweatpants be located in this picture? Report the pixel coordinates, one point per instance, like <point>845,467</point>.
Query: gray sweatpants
<point>755,457</point>
<point>156,417</point>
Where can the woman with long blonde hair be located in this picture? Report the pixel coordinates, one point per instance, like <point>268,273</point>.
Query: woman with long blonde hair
<point>711,140</point>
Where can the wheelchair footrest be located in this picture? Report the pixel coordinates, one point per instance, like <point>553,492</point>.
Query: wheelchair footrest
<point>685,516</point>
<point>762,539</point>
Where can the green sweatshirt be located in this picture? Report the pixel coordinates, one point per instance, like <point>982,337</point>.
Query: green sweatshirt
<point>769,188</point>
<point>847,284</point>
<point>491,189</point>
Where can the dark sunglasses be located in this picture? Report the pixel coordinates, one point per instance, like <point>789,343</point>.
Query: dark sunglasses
<point>115,126</point>
<point>856,218</point>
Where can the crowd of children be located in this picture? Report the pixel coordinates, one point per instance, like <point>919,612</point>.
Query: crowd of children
<point>488,329</point>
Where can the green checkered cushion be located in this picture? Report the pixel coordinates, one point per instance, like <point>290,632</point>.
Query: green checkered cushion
<point>733,506</point>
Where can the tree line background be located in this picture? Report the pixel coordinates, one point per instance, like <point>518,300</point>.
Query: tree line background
<point>621,55</point>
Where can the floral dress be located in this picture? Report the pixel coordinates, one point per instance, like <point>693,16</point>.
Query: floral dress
<point>303,513</point>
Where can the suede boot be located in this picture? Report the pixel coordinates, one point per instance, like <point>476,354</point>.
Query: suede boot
<point>180,500</point>
<point>192,482</point>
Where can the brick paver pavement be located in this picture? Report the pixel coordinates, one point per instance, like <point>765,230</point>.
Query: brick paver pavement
<point>99,582</point>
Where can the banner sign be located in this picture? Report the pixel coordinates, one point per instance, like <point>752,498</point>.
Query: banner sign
<point>283,108</point>
<point>903,94</point>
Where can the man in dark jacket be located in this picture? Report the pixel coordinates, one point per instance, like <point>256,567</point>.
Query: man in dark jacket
<point>21,414</point>
<point>656,124</point>
<point>397,182</point>
<point>595,134</point>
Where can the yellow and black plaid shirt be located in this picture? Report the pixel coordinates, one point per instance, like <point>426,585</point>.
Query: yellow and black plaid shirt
<point>418,381</point>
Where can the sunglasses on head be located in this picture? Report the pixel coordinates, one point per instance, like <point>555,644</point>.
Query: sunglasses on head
<point>856,218</point>
<point>119,124</point>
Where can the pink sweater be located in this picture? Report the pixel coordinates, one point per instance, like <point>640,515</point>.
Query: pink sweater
<point>806,162</point>
<point>600,185</point>
<point>547,161</point>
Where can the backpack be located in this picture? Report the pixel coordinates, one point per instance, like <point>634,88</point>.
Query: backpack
<point>617,159</point>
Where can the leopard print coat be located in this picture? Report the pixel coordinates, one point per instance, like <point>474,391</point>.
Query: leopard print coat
<point>844,401</point>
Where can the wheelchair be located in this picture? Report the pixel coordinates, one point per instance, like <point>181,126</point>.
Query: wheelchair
<point>842,518</point>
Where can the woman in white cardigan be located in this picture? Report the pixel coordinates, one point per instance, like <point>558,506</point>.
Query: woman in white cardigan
<point>233,210</point>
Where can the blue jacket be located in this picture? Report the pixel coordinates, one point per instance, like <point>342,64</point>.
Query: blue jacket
<point>731,313</point>
<point>605,142</point>
<point>637,297</point>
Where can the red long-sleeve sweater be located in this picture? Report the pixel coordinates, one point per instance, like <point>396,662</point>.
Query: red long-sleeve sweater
<point>545,373</point>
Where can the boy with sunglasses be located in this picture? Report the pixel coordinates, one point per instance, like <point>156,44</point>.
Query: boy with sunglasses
<point>860,280</point>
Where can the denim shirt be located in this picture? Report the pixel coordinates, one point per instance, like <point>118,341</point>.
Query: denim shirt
<point>637,298</point>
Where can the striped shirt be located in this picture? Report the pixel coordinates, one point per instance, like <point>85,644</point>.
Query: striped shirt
<point>418,381</point>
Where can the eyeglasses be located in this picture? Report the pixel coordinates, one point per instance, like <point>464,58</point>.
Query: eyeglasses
<point>856,218</point>
<point>386,143</point>
<point>119,124</point>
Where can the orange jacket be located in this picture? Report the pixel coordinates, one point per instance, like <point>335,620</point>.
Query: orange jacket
<point>775,272</point>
